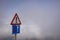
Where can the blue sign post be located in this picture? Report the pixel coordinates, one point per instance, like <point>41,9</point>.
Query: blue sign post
<point>15,29</point>
<point>15,25</point>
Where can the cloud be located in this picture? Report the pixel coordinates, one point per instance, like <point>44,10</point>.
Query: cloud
<point>39,18</point>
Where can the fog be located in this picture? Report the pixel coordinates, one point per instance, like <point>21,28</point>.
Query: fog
<point>40,19</point>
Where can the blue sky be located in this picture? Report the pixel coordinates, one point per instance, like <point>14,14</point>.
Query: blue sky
<point>40,18</point>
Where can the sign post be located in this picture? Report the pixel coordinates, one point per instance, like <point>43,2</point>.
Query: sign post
<point>15,36</point>
<point>15,25</point>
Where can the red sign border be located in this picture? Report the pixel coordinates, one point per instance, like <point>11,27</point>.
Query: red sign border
<point>13,20</point>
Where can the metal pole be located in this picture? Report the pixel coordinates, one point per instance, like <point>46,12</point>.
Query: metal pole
<point>15,37</point>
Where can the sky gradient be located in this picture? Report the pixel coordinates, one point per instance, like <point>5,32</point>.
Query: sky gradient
<point>40,18</point>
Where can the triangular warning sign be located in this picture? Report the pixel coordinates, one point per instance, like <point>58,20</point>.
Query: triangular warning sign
<point>16,20</point>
